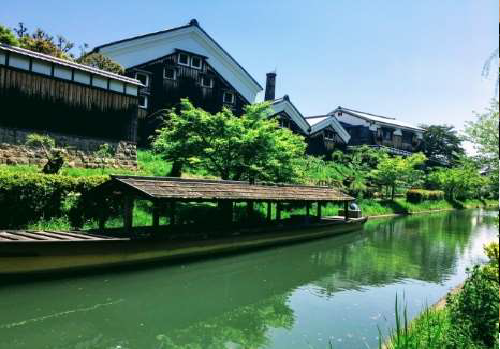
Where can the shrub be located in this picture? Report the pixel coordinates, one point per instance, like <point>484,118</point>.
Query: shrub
<point>29,197</point>
<point>419,195</point>
<point>474,311</point>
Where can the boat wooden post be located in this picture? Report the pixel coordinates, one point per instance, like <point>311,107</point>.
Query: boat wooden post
<point>102,222</point>
<point>172,212</point>
<point>319,209</point>
<point>249,209</point>
<point>346,210</point>
<point>156,214</point>
<point>269,211</point>
<point>128,208</point>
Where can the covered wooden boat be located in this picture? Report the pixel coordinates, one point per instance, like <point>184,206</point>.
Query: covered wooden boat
<point>24,252</point>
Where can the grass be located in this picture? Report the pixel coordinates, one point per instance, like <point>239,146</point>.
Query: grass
<point>428,330</point>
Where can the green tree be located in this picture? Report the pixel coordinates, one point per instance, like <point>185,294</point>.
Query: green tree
<point>7,36</point>
<point>53,155</point>
<point>483,133</point>
<point>461,182</point>
<point>394,172</point>
<point>250,147</point>
<point>441,142</point>
<point>99,61</point>
<point>41,41</point>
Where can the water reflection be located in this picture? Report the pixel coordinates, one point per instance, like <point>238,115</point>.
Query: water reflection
<point>262,299</point>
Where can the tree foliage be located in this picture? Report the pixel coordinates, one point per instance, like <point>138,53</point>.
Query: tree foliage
<point>394,172</point>
<point>250,147</point>
<point>460,182</point>
<point>99,61</point>
<point>483,133</point>
<point>7,36</point>
<point>441,142</point>
<point>53,155</point>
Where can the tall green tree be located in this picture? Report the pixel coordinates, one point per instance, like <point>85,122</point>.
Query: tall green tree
<point>395,172</point>
<point>442,142</point>
<point>483,133</point>
<point>250,147</point>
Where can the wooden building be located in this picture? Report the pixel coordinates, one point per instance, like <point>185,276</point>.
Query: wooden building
<point>80,106</point>
<point>322,136</point>
<point>182,62</point>
<point>397,137</point>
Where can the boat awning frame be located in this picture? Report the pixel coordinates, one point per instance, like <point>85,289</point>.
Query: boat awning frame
<point>197,190</point>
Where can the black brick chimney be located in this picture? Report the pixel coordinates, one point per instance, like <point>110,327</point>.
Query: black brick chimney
<point>270,93</point>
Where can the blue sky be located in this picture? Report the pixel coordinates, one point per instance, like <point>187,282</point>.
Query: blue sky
<point>419,61</point>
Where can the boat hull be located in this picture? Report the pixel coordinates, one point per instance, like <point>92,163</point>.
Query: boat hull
<point>26,257</point>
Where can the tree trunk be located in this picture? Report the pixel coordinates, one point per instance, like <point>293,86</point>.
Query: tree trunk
<point>393,189</point>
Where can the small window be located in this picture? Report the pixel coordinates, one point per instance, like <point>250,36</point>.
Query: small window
<point>387,135</point>
<point>169,73</point>
<point>206,81</point>
<point>144,78</point>
<point>196,62</point>
<point>284,123</point>
<point>143,102</point>
<point>329,135</point>
<point>183,59</point>
<point>228,97</point>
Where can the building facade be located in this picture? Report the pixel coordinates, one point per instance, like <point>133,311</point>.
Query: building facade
<point>397,137</point>
<point>178,63</point>
<point>79,106</point>
<point>323,135</point>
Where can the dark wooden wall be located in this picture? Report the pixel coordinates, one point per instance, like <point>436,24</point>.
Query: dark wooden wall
<point>33,101</point>
<point>166,93</point>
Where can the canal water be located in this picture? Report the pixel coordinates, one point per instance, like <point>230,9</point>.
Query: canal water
<point>338,290</point>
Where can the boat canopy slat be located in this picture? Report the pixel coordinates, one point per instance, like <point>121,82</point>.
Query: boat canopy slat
<point>202,189</point>
<point>48,236</point>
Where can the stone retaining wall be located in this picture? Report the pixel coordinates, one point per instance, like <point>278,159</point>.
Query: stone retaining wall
<point>77,151</point>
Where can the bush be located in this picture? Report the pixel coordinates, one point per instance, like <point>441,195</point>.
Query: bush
<point>29,197</point>
<point>474,311</point>
<point>419,195</point>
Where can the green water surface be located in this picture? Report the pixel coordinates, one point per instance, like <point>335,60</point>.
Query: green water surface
<point>335,290</point>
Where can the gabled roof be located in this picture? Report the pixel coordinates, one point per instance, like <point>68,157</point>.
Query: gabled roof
<point>284,104</point>
<point>377,118</point>
<point>165,188</point>
<point>191,38</point>
<point>321,122</point>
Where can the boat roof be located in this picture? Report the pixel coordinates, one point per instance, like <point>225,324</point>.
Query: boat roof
<point>48,236</point>
<point>213,190</point>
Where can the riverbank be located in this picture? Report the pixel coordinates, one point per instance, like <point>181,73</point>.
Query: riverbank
<point>465,318</point>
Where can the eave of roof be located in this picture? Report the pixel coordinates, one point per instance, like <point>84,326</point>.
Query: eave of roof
<point>192,23</point>
<point>60,61</point>
<point>330,120</point>
<point>166,188</point>
<point>377,118</point>
<point>299,118</point>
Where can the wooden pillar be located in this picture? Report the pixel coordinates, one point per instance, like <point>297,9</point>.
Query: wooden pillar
<point>308,209</point>
<point>172,212</point>
<point>102,222</point>
<point>268,211</point>
<point>249,209</point>
<point>346,210</point>
<point>319,210</point>
<point>156,214</point>
<point>128,210</point>
<point>278,211</point>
